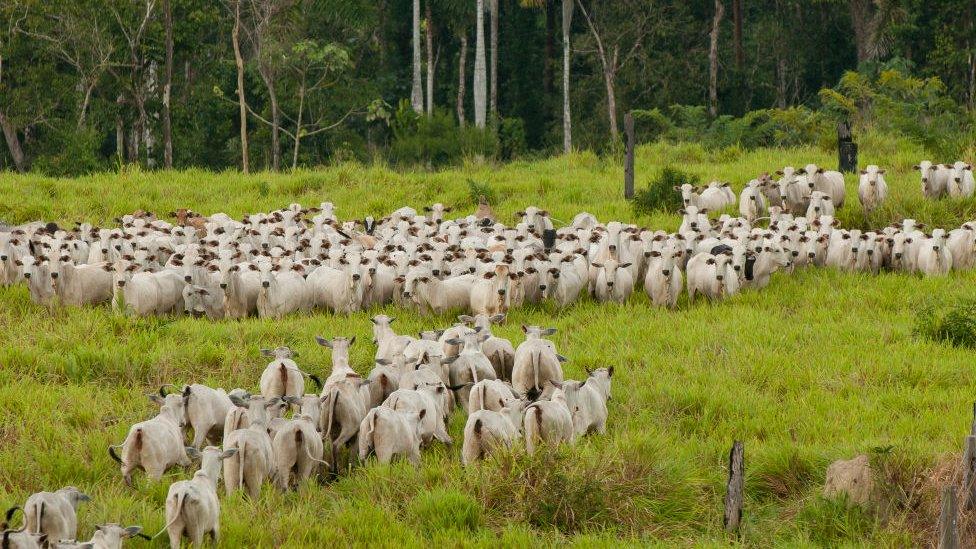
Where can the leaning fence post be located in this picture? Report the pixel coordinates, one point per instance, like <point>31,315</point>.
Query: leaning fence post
<point>949,520</point>
<point>972,428</point>
<point>629,158</point>
<point>733,491</point>
<point>969,473</point>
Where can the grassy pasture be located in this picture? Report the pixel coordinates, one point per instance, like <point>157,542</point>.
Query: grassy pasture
<point>819,366</point>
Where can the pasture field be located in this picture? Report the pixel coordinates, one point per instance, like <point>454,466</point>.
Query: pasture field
<point>820,366</point>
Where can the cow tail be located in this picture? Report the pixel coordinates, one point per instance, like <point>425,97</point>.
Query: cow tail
<point>240,462</point>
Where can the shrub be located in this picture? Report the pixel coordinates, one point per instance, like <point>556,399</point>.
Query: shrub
<point>954,324</point>
<point>436,140</point>
<point>477,189</point>
<point>511,138</point>
<point>659,195</point>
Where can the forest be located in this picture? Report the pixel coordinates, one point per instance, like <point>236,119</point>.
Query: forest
<point>93,85</point>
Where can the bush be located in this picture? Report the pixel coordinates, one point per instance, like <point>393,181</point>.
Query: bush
<point>74,152</point>
<point>478,189</point>
<point>954,324</point>
<point>659,195</point>
<point>436,140</point>
<point>511,138</point>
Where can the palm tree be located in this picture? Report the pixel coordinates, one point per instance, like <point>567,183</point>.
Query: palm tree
<point>480,68</point>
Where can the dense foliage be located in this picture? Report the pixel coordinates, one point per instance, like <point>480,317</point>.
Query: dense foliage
<point>83,83</point>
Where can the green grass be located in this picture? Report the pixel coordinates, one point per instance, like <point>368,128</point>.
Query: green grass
<point>820,366</point>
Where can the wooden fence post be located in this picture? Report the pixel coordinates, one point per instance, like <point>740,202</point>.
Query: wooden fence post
<point>734,489</point>
<point>972,428</point>
<point>949,520</point>
<point>969,473</point>
<point>846,149</point>
<point>629,158</point>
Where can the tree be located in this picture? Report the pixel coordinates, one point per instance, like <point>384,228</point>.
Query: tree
<point>567,119</point>
<point>167,87</point>
<point>480,68</point>
<point>239,62</point>
<point>493,96</point>
<point>713,58</point>
<point>270,35</point>
<point>314,68</point>
<point>431,58</point>
<point>138,79</point>
<point>417,92</point>
<point>618,28</point>
<point>75,34</point>
<point>13,17</point>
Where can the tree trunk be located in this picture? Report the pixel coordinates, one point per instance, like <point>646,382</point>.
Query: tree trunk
<point>268,78</point>
<point>781,83</point>
<point>298,126</point>
<point>480,68</point>
<point>462,61</point>
<point>119,138</point>
<point>609,77</point>
<point>417,92</point>
<point>430,60</point>
<point>239,60</point>
<point>713,59</point>
<point>567,120</point>
<point>167,87</point>
<point>737,33</point>
<point>493,95</point>
<point>85,101</point>
<point>861,20</point>
<point>550,51</point>
<point>13,143</point>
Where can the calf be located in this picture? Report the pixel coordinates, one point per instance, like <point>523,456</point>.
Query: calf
<point>490,394</point>
<point>752,202</point>
<point>389,433</point>
<point>199,302</point>
<point>282,377</point>
<point>254,461</point>
<point>192,507</point>
<point>830,183</point>
<point>716,196</point>
<point>487,431</point>
<point>872,190</point>
<point>614,282</point>
<point>536,363</point>
<point>469,367</point>
<point>934,258</point>
<point>428,399</point>
<point>961,183</point>
<point>548,421</point>
<point>54,514</point>
<point>490,293</point>
<point>587,401</point>
<point>297,452</point>
<point>663,281</point>
<point>156,444</point>
<point>499,351</point>
<point>206,410</point>
<point>282,292</point>
<point>935,179</point>
<point>107,536</point>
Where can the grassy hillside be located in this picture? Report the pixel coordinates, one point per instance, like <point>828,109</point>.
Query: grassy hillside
<point>819,366</point>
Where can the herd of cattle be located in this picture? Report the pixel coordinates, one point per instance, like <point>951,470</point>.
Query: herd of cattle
<point>285,436</point>
<point>298,259</point>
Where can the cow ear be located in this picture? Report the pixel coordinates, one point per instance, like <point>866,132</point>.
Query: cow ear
<point>916,167</point>
<point>156,398</point>
<point>610,371</point>
<point>625,265</point>
<point>228,453</point>
<point>710,261</point>
<point>192,452</point>
<point>323,342</point>
<point>489,275</point>
<point>864,172</point>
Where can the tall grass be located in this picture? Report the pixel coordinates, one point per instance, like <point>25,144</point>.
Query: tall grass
<point>819,366</point>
